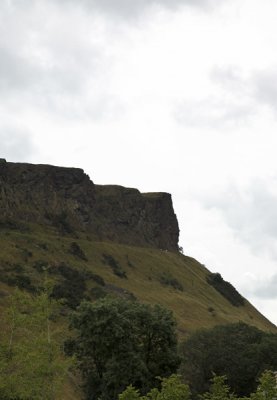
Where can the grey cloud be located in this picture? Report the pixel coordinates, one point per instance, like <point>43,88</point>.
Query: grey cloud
<point>252,214</point>
<point>266,289</point>
<point>266,87</point>
<point>127,8</point>
<point>15,144</point>
<point>16,73</point>
<point>48,69</point>
<point>260,87</point>
<point>230,78</point>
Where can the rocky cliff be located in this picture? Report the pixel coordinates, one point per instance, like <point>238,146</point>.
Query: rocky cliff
<point>68,200</point>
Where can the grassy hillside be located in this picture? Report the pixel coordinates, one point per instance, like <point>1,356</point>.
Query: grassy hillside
<point>82,267</point>
<point>149,275</point>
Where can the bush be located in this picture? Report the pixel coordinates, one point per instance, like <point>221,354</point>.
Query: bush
<point>76,250</point>
<point>97,279</point>
<point>116,268</point>
<point>168,280</point>
<point>21,281</point>
<point>72,288</point>
<point>225,289</point>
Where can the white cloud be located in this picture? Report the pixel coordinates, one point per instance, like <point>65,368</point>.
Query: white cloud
<point>15,144</point>
<point>252,213</point>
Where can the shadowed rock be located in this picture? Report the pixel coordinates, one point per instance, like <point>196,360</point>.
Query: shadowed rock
<point>69,200</point>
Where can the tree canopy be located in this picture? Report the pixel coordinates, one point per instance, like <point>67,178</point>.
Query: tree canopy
<point>120,343</point>
<point>238,351</point>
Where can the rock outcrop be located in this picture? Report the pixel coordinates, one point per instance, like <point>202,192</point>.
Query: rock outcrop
<point>67,199</point>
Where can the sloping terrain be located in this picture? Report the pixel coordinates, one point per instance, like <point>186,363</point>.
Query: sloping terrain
<point>82,268</point>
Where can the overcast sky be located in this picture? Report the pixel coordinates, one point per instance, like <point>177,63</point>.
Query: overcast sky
<point>163,95</point>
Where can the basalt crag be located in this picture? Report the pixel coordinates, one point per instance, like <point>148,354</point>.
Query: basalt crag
<point>67,199</point>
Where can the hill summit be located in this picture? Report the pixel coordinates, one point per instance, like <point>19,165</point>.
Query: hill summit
<point>67,198</point>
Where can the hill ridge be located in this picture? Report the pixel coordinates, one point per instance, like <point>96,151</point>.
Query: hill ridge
<point>68,198</point>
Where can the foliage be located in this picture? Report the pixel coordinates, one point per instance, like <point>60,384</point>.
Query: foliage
<point>239,351</point>
<point>71,289</point>
<point>267,389</point>
<point>32,366</point>
<point>130,393</point>
<point>19,280</point>
<point>225,289</point>
<point>218,390</point>
<point>168,280</point>
<point>76,250</point>
<point>121,342</point>
<point>171,389</point>
<point>115,266</point>
<point>97,279</point>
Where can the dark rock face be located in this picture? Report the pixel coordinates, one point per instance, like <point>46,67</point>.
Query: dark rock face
<point>43,193</point>
<point>67,198</point>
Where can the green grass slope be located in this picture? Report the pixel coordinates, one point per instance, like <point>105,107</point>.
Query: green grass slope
<point>84,268</point>
<point>149,275</point>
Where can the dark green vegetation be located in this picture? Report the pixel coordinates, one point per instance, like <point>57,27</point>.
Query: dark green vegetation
<point>226,289</point>
<point>119,342</point>
<point>172,388</point>
<point>238,351</point>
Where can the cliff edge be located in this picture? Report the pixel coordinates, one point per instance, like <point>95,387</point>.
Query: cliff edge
<point>68,200</point>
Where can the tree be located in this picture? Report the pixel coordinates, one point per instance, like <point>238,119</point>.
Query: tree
<point>32,364</point>
<point>120,343</point>
<point>267,389</point>
<point>171,389</point>
<point>218,390</point>
<point>238,351</point>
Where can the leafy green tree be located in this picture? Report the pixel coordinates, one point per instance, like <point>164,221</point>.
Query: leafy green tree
<point>238,351</point>
<point>171,389</point>
<point>218,390</point>
<point>130,393</point>
<point>120,343</point>
<point>267,388</point>
<point>32,364</point>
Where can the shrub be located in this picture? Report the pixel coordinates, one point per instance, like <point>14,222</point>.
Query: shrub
<point>72,288</point>
<point>115,266</point>
<point>167,279</point>
<point>225,289</point>
<point>22,281</point>
<point>76,250</point>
